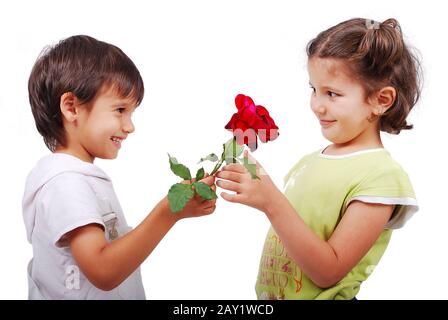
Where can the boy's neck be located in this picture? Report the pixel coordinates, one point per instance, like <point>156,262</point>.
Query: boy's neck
<point>80,154</point>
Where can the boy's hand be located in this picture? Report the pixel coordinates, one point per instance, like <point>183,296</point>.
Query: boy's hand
<point>256,193</point>
<point>197,206</point>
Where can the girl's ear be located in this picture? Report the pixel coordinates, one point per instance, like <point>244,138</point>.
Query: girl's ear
<point>68,105</point>
<point>385,99</point>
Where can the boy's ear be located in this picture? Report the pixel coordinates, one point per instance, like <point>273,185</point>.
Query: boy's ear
<point>385,99</point>
<point>68,105</point>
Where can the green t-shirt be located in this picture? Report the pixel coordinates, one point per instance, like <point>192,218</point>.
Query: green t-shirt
<point>320,187</point>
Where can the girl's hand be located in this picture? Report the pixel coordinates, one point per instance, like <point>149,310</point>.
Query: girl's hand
<point>256,193</point>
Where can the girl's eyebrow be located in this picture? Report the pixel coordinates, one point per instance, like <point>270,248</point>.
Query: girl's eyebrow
<point>330,88</point>
<point>326,87</point>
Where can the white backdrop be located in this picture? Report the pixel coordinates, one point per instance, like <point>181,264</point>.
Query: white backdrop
<point>195,56</point>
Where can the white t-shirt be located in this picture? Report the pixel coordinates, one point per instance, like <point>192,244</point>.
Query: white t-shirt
<point>63,193</point>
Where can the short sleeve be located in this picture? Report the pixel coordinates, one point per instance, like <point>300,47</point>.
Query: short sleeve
<point>68,202</point>
<point>389,186</point>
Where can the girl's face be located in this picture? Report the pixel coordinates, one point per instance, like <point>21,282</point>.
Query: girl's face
<point>101,130</point>
<point>339,103</point>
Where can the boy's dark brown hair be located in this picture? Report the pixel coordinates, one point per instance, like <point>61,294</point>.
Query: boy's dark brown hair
<point>81,65</point>
<point>377,56</point>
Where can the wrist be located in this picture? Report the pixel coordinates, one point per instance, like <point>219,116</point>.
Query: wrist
<point>272,203</point>
<point>166,213</point>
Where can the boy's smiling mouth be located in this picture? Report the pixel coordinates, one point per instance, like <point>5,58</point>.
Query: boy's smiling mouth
<point>117,141</point>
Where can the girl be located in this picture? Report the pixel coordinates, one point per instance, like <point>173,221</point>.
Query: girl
<point>335,219</point>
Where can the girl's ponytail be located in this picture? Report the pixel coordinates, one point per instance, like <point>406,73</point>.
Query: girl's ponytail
<point>381,47</point>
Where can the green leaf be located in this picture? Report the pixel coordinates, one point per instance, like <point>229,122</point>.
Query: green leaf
<point>211,157</point>
<point>179,195</point>
<point>200,174</point>
<point>204,190</point>
<point>232,150</point>
<point>179,169</point>
<point>251,167</point>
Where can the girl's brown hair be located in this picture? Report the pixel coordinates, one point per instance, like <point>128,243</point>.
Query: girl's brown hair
<point>377,56</point>
<point>80,65</point>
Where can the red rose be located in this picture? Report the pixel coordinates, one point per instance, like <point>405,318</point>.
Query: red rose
<point>250,122</point>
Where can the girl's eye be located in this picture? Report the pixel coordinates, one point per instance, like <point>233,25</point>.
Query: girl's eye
<point>120,110</point>
<point>332,94</point>
<point>313,89</point>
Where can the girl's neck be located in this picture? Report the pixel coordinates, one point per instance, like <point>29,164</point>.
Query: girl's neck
<point>337,150</point>
<point>370,138</point>
<point>354,146</point>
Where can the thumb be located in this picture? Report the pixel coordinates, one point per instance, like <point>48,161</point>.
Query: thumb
<point>229,197</point>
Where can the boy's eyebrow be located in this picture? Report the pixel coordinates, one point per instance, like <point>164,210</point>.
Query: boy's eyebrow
<point>124,104</point>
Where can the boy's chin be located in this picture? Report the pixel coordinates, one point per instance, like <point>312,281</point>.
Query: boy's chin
<point>107,156</point>
<point>112,157</point>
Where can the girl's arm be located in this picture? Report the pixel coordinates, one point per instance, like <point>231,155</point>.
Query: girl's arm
<point>324,262</point>
<point>107,265</point>
<point>327,262</point>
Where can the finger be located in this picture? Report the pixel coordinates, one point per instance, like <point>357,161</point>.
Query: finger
<point>230,175</point>
<point>235,167</point>
<point>208,203</point>
<point>210,180</point>
<point>203,201</point>
<point>213,187</point>
<point>208,207</point>
<point>209,210</point>
<point>229,185</point>
<point>231,197</point>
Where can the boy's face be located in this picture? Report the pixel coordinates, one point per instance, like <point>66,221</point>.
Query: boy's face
<point>101,128</point>
<point>339,102</point>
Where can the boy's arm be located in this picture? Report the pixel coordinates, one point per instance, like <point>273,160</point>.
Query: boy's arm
<point>107,265</point>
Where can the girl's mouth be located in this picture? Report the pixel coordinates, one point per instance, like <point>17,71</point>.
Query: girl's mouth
<point>326,123</point>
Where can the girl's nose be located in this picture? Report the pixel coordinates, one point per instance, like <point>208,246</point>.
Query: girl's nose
<point>317,106</point>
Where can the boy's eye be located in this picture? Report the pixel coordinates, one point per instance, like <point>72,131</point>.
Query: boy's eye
<point>332,94</point>
<point>121,110</point>
<point>313,89</point>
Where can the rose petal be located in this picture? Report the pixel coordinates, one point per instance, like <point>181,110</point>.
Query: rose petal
<point>242,101</point>
<point>232,123</point>
<point>262,111</point>
<point>252,122</point>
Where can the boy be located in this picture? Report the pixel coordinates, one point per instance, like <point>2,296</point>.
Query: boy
<point>82,94</point>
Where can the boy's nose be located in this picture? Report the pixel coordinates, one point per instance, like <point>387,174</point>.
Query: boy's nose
<point>129,127</point>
